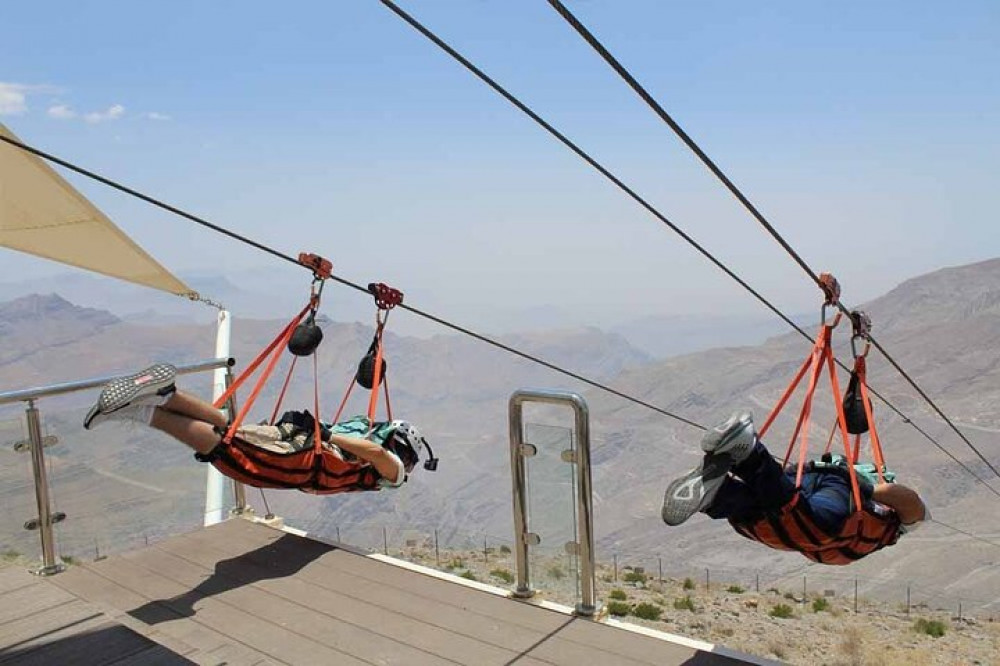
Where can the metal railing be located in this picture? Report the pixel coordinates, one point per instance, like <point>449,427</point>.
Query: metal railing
<point>519,452</point>
<point>46,519</point>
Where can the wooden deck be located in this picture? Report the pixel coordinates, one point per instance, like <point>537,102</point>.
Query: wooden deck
<point>243,593</point>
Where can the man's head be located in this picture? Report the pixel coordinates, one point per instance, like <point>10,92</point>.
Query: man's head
<point>407,443</point>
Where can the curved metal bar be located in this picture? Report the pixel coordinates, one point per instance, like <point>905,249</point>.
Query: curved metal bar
<point>584,499</point>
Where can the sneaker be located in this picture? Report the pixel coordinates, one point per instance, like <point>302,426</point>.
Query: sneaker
<point>694,491</point>
<point>734,437</point>
<point>154,385</point>
<point>725,446</point>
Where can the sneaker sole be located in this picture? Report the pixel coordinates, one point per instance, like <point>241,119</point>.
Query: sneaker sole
<point>689,494</point>
<point>156,380</point>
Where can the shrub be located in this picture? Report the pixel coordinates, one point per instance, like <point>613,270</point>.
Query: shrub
<point>618,608</point>
<point>688,584</point>
<point>10,555</point>
<point>647,611</point>
<point>505,550</point>
<point>781,610</point>
<point>935,628</point>
<point>69,560</point>
<point>735,589</point>
<point>556,572</point>
<point>634,577</point>
<point>503,574</point>
<point>617,595</point>
<point>468,575</point>
<point>454,563</point>
<point>684,603</point>
<point>820,604</point>
<point>789,596</point>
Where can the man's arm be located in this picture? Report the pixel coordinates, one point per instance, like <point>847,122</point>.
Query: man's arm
<point>904,501</point>
<point>383,461</point>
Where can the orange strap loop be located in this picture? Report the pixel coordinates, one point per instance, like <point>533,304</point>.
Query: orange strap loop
<point>820,356</point>
<point>322,269</point>
<point>273,350</point>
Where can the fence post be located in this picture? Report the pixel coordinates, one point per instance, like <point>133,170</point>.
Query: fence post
<point>756,577</point>
<point>486,554</point>
<point>385,541</point>
<point>659,561</point>
<point>960,610</point>
<point>437,552</point>
<point>907,600</point>
<point>855,596</point>
<point>616,566</point>
<point>804,592</point>
<point>708,580</point>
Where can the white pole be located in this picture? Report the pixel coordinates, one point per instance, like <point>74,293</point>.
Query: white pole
<point>215,484</point>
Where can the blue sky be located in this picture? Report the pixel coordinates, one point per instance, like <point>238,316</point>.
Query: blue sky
<point>866,132</point>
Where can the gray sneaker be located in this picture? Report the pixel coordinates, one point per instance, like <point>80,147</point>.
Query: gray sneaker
<point>734,437</point>
<point>725,446</point>
<point>154,385</point>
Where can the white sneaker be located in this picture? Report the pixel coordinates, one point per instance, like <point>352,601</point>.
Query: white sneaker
<point>152,386</point>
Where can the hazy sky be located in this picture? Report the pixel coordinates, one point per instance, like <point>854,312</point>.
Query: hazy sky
<point>866,132</point>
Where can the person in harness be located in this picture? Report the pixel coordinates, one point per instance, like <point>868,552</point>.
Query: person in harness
<point>354,455</point>
<point>739,481</point>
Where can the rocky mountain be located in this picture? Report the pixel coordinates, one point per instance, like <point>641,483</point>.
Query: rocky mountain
<point>943,328</point>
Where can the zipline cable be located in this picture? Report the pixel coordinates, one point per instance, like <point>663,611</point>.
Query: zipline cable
<point>426,315</point>
<point>485,78</point>
<point>736,192</point>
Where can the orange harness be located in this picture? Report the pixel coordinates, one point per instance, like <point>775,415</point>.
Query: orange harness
<point>316,470</point>
<point>792,527</point>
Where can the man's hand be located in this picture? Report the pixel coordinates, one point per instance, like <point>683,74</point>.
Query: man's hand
<point>904,501</point>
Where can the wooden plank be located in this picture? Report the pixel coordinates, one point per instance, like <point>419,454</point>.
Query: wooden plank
<point>488,606</point>
<point>107,640</point>
<point>13,578</point>
<point>617,646</point>
<point>231,587</point>
<point>156,655</point>
<point>178,632</point>
<point>58,621</point>
<point>338,572</point>
<point>239,617</point>
<point>25,601</point>
<point>644,649</point>
<point>410,628</point>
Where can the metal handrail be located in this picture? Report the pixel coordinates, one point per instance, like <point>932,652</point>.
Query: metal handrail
<point>584,498</point>
<point>25,395</point>
<point>45,517</point>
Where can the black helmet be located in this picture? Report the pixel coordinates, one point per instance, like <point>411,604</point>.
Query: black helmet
<point>306,337</point>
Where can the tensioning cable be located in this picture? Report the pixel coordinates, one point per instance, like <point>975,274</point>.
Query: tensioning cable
<point>347,283</point>
<point>465,62</point>
<point>658,109</point>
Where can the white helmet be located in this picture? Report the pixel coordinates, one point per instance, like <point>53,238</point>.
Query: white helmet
<point>407,442</point>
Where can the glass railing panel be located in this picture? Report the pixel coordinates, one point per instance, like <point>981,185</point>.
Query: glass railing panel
<point>17,495</point>
<point>551,485</point>
<point>121,485</point>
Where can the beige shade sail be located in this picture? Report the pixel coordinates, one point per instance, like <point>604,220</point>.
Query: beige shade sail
<point>43,215</point>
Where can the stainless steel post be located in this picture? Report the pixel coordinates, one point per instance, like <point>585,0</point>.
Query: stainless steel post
<point>49,564</point>
<point>585,508</point>
<point>519,495</point>
<point>584,499</point>
<point>239,490</point>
